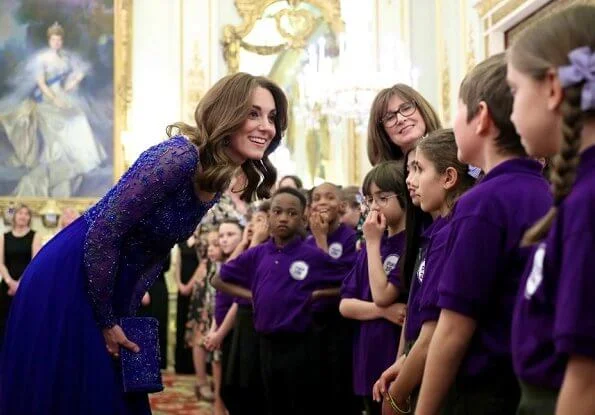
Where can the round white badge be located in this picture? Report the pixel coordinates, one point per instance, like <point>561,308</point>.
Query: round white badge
<point>421,270</point>
<point>390,263</point>
<point>536,276</point>
<point>335,250</point>
<point>298,270</point>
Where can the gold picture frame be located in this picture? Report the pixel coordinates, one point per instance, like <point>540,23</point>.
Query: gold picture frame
<point>122,91</point>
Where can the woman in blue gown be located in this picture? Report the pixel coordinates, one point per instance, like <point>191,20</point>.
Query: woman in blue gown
<point>63,338</point>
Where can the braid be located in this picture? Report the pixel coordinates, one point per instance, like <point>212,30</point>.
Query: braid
<point>563,172</point>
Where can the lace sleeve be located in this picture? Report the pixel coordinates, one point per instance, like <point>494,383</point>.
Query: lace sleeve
<point>158,173</point>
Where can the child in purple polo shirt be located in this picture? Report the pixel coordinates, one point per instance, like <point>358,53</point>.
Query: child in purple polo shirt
<point>370,291</point>
<point>417,224</point>
<point>283,274</point>
<point>440,179</point>
<point>469,365</point>
<point>551,71</point>
<point>333,330</point>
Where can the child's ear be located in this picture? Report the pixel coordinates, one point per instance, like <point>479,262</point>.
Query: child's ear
<point>555,92</point>
<point>450,178</point>
<point>483,119</point>
<point>342,208</point>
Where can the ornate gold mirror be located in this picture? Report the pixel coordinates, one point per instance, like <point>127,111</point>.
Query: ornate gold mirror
<point>277,39</point>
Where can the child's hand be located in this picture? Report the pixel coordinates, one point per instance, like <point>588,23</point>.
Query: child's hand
<point>12,287</point>
<point>261,232</point>
<point>396,313</point>
<point>374,227</point>
<point>247,235</point>
<point>146,299</point>
<point>213,340</point>
<point>389,375</point>
<point>319,225</point>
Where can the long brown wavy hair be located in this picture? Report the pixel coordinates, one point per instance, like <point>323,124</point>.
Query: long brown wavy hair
<point>538,49</point>
<point>219,114</point>
<point>380,146</point>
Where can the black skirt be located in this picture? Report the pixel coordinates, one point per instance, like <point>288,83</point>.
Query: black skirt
<point>242,375</point>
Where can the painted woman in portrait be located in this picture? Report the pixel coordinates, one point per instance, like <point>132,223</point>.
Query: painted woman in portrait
<point>46,125</point>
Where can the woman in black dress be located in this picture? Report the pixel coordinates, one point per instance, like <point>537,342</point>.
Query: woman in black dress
<point>187,264</point>
<point>17,247</point>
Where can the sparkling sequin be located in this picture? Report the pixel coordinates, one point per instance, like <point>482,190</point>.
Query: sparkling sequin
<point>135,225</point>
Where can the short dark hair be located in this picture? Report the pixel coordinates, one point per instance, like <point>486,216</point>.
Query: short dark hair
<point>388,176</point>
<point>293,192</point>
<point>311,191</point>
<point>487,82</point>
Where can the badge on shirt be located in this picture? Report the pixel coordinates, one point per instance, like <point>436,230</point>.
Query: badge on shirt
<point>335,250</point>
<point>390,263</point>
<point>421,270</point>
<point>298,270</point>
<point>536,276</point>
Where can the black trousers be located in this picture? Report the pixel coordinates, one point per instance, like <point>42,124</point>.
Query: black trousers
<point>290,368</point>
<point>334,334</point>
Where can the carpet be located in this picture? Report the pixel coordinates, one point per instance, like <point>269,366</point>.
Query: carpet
<point>178,397</point>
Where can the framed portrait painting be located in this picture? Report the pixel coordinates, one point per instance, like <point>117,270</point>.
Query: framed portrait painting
<point>64,93</point>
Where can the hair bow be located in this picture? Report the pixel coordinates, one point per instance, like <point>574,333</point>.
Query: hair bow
<point>581,68</point>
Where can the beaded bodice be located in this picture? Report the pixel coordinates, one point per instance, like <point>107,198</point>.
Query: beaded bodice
<point>135,225</point>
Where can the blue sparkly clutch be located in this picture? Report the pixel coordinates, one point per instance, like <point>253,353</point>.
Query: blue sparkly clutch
<point>141,371</point>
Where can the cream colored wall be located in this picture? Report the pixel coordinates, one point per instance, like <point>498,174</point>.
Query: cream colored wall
<point>177,56</point>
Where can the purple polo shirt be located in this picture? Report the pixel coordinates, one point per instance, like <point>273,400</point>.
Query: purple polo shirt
<point>428,309</point>
<point>375,342</point>
<point>282,281</point>
<point>482,272</point>
<point>413,323</point>
<point>223,303</point>
<point>555,312</point>
<point>341,245</point>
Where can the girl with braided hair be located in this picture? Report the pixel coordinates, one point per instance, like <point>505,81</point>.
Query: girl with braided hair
<point>551,71</point>
<point>468,368</point>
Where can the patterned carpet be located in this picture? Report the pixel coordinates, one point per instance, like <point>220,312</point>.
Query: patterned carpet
<point>178,397</point>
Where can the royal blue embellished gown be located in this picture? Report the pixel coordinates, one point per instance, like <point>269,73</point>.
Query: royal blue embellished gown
<point>92,273</point>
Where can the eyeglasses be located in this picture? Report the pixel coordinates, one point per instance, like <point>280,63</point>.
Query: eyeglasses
<point>406,109</point>
<point>381,200</point>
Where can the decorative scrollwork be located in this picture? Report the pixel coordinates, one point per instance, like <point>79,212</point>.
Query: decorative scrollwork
<point>294,24</point>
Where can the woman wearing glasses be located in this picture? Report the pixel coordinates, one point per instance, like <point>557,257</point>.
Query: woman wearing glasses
<point>399,117</point>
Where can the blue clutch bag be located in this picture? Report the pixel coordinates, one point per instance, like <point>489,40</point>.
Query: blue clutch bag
<point>141,371</point>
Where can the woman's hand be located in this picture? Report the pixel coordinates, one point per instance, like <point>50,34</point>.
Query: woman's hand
<point>114,338</point>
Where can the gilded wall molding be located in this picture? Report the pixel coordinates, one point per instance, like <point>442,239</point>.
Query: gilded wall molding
<point>293,24</point>
<point>443,66</point>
